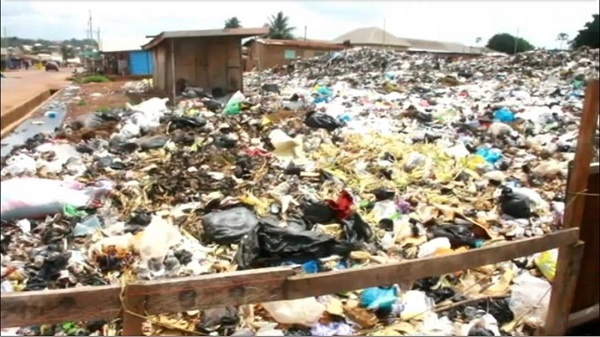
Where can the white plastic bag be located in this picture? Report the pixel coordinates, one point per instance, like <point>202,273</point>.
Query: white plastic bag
<point>431,247</point>
<point>19,164</point>
<point>27,198</point>
<point>529,298</point>
<point>416,304</point>
<point>487,322</point>
<point>157,238</point>
<point>305,311</point>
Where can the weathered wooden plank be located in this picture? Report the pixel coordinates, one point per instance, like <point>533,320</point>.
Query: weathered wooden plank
<point>216,290</point>
<point>584,316</point>
<point>583,157</point>
<point>563,289</point>
<point>371,276</point>
<point>58,306</point>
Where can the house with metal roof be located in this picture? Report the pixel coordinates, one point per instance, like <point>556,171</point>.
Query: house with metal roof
<point>209,59</point>
<point>372,37</point>
<point>267,53</point>
<point>125,56</point>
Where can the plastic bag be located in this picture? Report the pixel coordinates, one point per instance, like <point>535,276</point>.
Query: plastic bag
<point>379,297</point>
<point>152,142</point>
<point>332,329</point>
<point>319,120</point>
<point>157,238</point>
<point>489,154</point>
<point>304,311</point>
<point>432,246</point>
<point>458,235</point>
<point>35,197</point>
<point>530,296</point>
<point>228,226</point>
<point>504,115</point>
<point>515,204</point>
<point>484,326</point>
<point>433,325</point>
<point>416,303</point>
<point>233,106</point>
<point>546,263</point>
<point>268,244</point>
<point>19,164</point>
<point>286,146</point>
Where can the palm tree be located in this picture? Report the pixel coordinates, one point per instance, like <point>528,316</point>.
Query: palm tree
<point>279,27</point>
<point>562,37</point>
<point>232,22</point>
<point>478,40</point>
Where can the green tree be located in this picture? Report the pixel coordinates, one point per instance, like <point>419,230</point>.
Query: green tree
<point>478,40</point>
<point>506,43</point>
<point>66,52</point>
<point>232,23</point>
<point>589,35</point>
<point>562,37</point>
<point>279,27</point>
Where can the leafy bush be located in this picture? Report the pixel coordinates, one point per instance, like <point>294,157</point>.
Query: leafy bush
<point>505,43</point>
<point>95,79</point>
<point>589,36</point>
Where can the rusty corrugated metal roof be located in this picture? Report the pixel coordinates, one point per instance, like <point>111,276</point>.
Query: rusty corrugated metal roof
<point>241,32</point>
<point>302,43</point>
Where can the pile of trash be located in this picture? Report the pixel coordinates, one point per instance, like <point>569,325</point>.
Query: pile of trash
<point>358,158</point>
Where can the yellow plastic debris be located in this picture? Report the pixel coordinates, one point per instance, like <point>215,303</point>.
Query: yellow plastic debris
<point>546,263</point>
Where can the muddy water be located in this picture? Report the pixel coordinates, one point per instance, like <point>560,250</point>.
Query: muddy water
<point>55,106</point>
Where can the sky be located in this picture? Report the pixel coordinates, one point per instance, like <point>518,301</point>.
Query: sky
<point>453,21</point>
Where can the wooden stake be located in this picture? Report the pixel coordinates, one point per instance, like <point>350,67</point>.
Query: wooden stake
<point>583,158</point>
<point>563,290</point>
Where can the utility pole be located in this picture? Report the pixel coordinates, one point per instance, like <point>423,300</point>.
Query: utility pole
<point>91,36</point>
<point>516,42</point>
<point>98,37</point>
<point>383,37</point>
<point>305,27</point>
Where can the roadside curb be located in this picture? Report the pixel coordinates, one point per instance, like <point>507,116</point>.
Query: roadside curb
<point>14,117</point>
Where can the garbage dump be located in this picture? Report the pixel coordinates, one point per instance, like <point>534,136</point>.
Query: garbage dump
<point>331,163</point>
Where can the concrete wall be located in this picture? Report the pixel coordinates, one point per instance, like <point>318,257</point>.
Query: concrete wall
<point>207,62</point>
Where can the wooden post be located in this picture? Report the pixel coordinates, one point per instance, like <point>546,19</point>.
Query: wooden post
<point>173,80</point>
<point>583,158</point>
<point>563,290</point>
<point>132,324</point>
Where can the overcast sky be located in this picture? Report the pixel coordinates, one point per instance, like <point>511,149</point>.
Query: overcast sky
<point>453,21</point>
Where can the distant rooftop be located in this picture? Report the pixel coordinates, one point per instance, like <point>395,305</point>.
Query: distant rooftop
<point>241,32</point>
<point>122,44</point>
<point>372,36</point>
<point>302,43</point>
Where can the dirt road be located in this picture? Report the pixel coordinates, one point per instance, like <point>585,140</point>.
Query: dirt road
<point>19,86</point>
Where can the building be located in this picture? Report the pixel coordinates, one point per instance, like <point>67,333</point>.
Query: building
<point>444,49</point>
<point>372,37</point>
<point>210,59</point>
<point>266,53</point>
<point>126,57</point>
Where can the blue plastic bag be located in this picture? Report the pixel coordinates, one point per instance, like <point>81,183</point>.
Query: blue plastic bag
<point>504,115</point>
<point>379,297</point>
<point>311,267</point>
<point>490,155</point>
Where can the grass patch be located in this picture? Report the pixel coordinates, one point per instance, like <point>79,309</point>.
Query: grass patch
<point>104,109</point>
<point>82,103</point>
<point>95,79</point>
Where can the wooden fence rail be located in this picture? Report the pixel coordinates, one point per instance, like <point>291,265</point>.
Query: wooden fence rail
<point>255,286</point>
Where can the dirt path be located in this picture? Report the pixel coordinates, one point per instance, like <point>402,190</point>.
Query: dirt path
<point>19,86</point>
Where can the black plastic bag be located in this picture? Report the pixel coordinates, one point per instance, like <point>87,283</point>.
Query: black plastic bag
<point>219,319</point>
<point>268,244</point>
<point>319,214</point>
<point>183,121</point>
<point>383,194</point>
<point>270,88</point>
<point>228,226</point>
<point>515,204</point>
<point>153,142</point>
<point>356,229</point>
<point>322,121</point>
<point>459,235</point>
<point>479,331</point>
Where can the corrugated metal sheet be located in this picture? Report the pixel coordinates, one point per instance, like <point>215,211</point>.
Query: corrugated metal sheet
<point>141,62</point>
<point>109,45</point>
<point>372,36</point>
<point>241,32</point>
<point>302,43</point>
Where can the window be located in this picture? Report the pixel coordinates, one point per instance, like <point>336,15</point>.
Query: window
<point>289,54</point>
